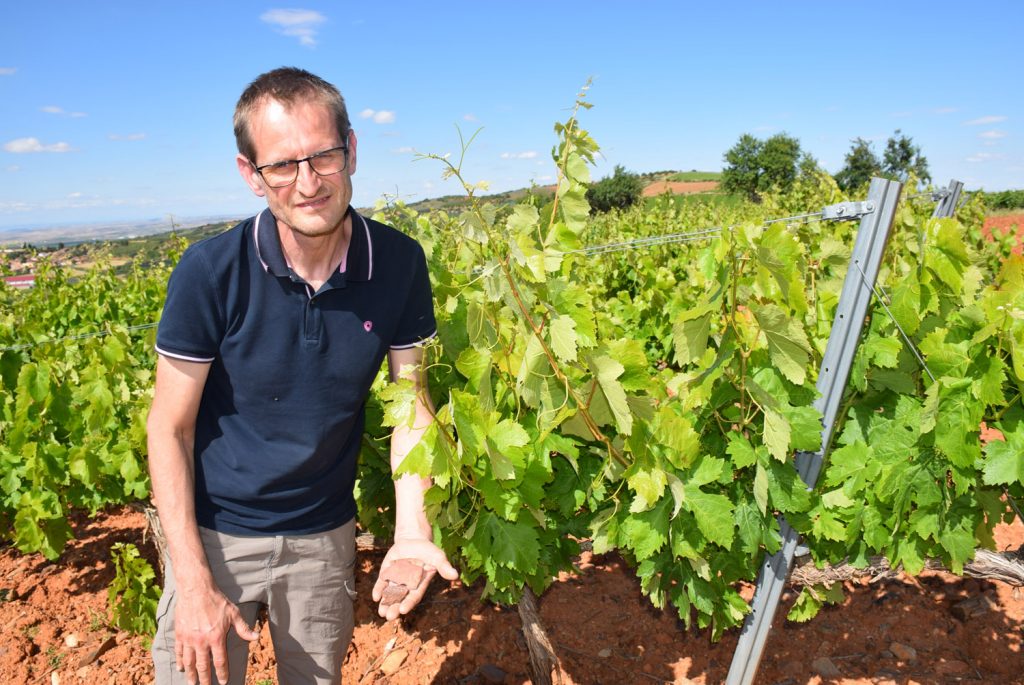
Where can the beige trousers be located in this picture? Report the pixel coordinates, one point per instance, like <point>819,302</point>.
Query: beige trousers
<point>307,584</point>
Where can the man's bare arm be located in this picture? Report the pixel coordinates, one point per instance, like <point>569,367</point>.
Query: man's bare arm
<point>203,615</point>
<point>413,535</point>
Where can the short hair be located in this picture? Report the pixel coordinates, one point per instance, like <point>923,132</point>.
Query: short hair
<point>289,86</point>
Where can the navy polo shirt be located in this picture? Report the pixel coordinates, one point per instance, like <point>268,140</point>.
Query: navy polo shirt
<point>281,417</point>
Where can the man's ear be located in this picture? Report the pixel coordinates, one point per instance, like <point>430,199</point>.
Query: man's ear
<point>250,175</point>
<point>351,166</point>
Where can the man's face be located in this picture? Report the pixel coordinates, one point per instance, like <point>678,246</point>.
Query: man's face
<point>314,205</point>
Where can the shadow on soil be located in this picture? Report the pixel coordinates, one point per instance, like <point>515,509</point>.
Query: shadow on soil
<point>605,632</point>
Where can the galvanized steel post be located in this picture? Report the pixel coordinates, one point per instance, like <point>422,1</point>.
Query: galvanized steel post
<point>869,247</point>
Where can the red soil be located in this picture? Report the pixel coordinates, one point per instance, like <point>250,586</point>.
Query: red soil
<point>1006,223</point>
<point>603,630</point>
<point>679,187</point>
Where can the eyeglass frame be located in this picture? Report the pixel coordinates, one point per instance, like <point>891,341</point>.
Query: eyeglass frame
<point>298,163</point>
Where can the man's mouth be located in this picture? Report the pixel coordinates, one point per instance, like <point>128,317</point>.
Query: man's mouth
<point>313,204</point>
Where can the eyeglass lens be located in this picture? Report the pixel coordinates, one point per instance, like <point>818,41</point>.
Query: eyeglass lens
<point>323,163</point>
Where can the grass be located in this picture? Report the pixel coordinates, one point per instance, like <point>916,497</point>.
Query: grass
<point>54,657</point>
<point>721,200</point>
<point>685,176</point>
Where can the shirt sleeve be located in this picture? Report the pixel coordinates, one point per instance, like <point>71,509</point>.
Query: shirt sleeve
<point>417,324</point>
<point>192,324</point>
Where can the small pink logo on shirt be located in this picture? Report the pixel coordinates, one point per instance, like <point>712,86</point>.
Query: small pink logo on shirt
<point>367,326</point>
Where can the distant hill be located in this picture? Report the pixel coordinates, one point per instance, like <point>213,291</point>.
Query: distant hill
<point>131,238</point>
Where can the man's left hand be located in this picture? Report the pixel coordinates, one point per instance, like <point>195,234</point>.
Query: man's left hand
<point>398,569</point>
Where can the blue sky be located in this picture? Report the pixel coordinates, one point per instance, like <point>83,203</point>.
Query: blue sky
<point>122,110</point>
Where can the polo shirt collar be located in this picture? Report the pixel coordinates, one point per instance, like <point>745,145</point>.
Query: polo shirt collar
<point>357,265</point>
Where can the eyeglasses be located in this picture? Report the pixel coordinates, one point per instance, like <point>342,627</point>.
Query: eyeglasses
<point>281,174</point>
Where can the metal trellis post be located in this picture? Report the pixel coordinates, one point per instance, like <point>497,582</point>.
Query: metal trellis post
<point>946,206</point>
<point>869,247</point>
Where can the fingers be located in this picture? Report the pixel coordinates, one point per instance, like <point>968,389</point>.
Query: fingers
<point>410,564</point>
<point>220,663</point>
<point>203,667</point>
<point>243,629</point>
<point>416,594</point>
<point>447,571</point>
<point>378,589</point>
<point>198,666</point>
<point>391,611</point>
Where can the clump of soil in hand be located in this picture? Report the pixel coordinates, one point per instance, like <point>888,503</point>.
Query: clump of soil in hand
<point>402,576</point>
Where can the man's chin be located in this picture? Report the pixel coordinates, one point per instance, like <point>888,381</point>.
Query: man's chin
<point>315,229</point>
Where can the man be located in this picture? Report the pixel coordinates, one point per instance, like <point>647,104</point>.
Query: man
<point>271,335</point>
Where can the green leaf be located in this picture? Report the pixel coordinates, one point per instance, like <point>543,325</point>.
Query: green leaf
<point>714,515</point>
<point>988,387</point>
<point>761,488</point>
<point>805,428</point>
<point>607,371</point>
<point>805,607</point>
<point>883,352</point>
<point>906,302</point>
<point>956,430</point>
<point>787,342</point>
<point>470,423</point>
<point>749,525</point>
<point>677,433</point>
<point>740,449</point>
<point>690,333</point>
<point>648,485</point>
<point>647,532</point>
<point>504,441</point>
<point>826,525</point>
<point>788,492</point>
<point>777,434</point>
<point>563,338</point>
<point>1004,460</point>
<point>959,543</point>
<point>514,545</point>
<point>779,252</point>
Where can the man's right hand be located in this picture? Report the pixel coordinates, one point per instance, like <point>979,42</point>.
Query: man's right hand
<point>201,624</point>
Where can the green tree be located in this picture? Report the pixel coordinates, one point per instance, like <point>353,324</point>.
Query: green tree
<point>754,167</point>
<point>779,158</point>
<point>743,166</point>
<point>618,191</point>
<point>860,165</point>
<point>902,158</point>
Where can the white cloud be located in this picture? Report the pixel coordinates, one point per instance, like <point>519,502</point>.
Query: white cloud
<point>7,71</point>
<point>126,136</point>
<point>23,145</point>
<point>15,206</point>
<point>13,168</point>
<point>469,117</point>
<point>74,195</point>
<point>985,156</point>
<point>295,23</point>
<point>528,154</point>
<point>983,121</point>
<point>381,116</point>
<point>404,150</point>
<point>992,135</point>
<point>54,109</point>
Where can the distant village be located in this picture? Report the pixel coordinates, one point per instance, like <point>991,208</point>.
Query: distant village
<point>19,264</point>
